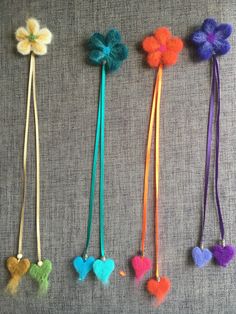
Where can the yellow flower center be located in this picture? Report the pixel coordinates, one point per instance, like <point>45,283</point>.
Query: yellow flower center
<point>32,37</point>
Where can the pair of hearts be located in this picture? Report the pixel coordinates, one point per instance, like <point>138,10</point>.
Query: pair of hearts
<point>222,255</point>
<point>101,268</point>
<point>158,288</point>
<point>18,268</point>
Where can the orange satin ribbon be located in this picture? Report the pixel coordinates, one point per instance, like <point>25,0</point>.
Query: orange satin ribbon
<point>154,111</point>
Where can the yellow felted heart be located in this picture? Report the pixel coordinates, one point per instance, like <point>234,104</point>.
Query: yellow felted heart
<point>17,269</point>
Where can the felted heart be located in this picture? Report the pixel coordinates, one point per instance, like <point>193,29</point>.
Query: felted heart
<point>83,266</point>
<point>103,269</point>
<point>223,254</point>
<point>201,257</point>
<point>141,266</point>
<point>17,269</point>
<point>40,274</point>
<point>159,289</point>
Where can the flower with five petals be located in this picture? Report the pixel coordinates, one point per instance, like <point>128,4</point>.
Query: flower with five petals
<point>107,49</point>
<point>210,39</point>
<point>32,38</point>
<point>162,48</point>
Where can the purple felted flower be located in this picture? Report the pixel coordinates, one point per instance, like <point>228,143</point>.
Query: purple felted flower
<point>210,39</point>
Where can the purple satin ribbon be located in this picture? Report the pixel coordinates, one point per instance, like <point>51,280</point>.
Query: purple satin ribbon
<point>215,91</point>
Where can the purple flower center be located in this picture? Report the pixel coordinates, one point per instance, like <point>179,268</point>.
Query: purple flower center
<point>162,48</point>
<point>211,38</point>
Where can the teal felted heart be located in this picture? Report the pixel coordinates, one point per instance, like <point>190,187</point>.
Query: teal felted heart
<point>103,269</point>
<point>40,275</point>
<point>83,266</point>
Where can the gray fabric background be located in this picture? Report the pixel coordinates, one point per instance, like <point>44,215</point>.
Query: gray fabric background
<point>67,89</point>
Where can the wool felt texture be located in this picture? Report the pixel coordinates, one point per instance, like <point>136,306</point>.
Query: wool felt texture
<point>32,38</point>
<point>159,289</point>
<point>103,269</point>
<point>141,265</point>
<point>17,269</point>
<point>83,266</point>
<point>162,48</point>
<point>67,95</point>
<point>223,255</point>
<point>108,49</point>
<point>40,274</point>
<point>201,257</point>
<point>211,39</point>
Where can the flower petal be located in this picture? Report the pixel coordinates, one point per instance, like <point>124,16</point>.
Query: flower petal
<point>113,37</point>
<point>169,58</point>
<point>38,48</point>
<point>44,36</point>
<point>32,26</point>
<point>150,44</point>
<point>154,58</point>
<point>209,26</point>
<point>119,52</point>
<point>96,41</point>
<point>96,57</point>
<point>223,31</point>
<point>21,33</point>
<point>175,44</point>
<point>221,47</point>
<point>205,51</point>
<point>162,34</point>
<point>23,47</point>
<point>198,38</point>
<point>112,64</point>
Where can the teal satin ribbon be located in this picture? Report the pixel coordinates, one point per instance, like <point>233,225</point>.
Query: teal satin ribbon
<point>100,132</point>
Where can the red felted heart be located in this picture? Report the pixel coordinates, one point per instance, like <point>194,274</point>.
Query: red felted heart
<point>159,289</point>
<point>141,266</point>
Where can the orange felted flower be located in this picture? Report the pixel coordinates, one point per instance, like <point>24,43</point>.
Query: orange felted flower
<point>162,48</point>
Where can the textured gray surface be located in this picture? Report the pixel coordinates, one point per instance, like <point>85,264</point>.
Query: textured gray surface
<point>67,90</point>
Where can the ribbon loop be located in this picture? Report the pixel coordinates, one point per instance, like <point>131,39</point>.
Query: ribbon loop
<point>99,140</point>
<point>214,103</point>
<point>31,83</point>
<point>155,113</point>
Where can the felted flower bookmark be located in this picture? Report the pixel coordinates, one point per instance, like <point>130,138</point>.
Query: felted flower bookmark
<point>32,41</point>
<point>108,52</point>
<point>210,41</point>
<point>162,51</point>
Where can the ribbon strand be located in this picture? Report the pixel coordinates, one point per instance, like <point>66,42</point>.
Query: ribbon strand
<point>102,148</point>
<point>157,165</point>
<point>37,151</point>
<point>155,109</point>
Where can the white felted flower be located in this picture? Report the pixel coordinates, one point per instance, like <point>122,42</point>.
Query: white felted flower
<point>32,38</point>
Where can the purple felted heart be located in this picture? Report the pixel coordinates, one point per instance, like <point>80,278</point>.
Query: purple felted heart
<point>223,254</point>
<point>201,257</point>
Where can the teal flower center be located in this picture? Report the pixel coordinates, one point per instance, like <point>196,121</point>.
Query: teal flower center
<point>106,50</point>
<point>32,37</point>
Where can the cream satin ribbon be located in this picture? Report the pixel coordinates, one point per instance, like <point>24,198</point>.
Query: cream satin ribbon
<point>31,82</point>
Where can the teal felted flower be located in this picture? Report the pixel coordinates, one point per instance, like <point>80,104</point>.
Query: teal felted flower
<point>108,49</point>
